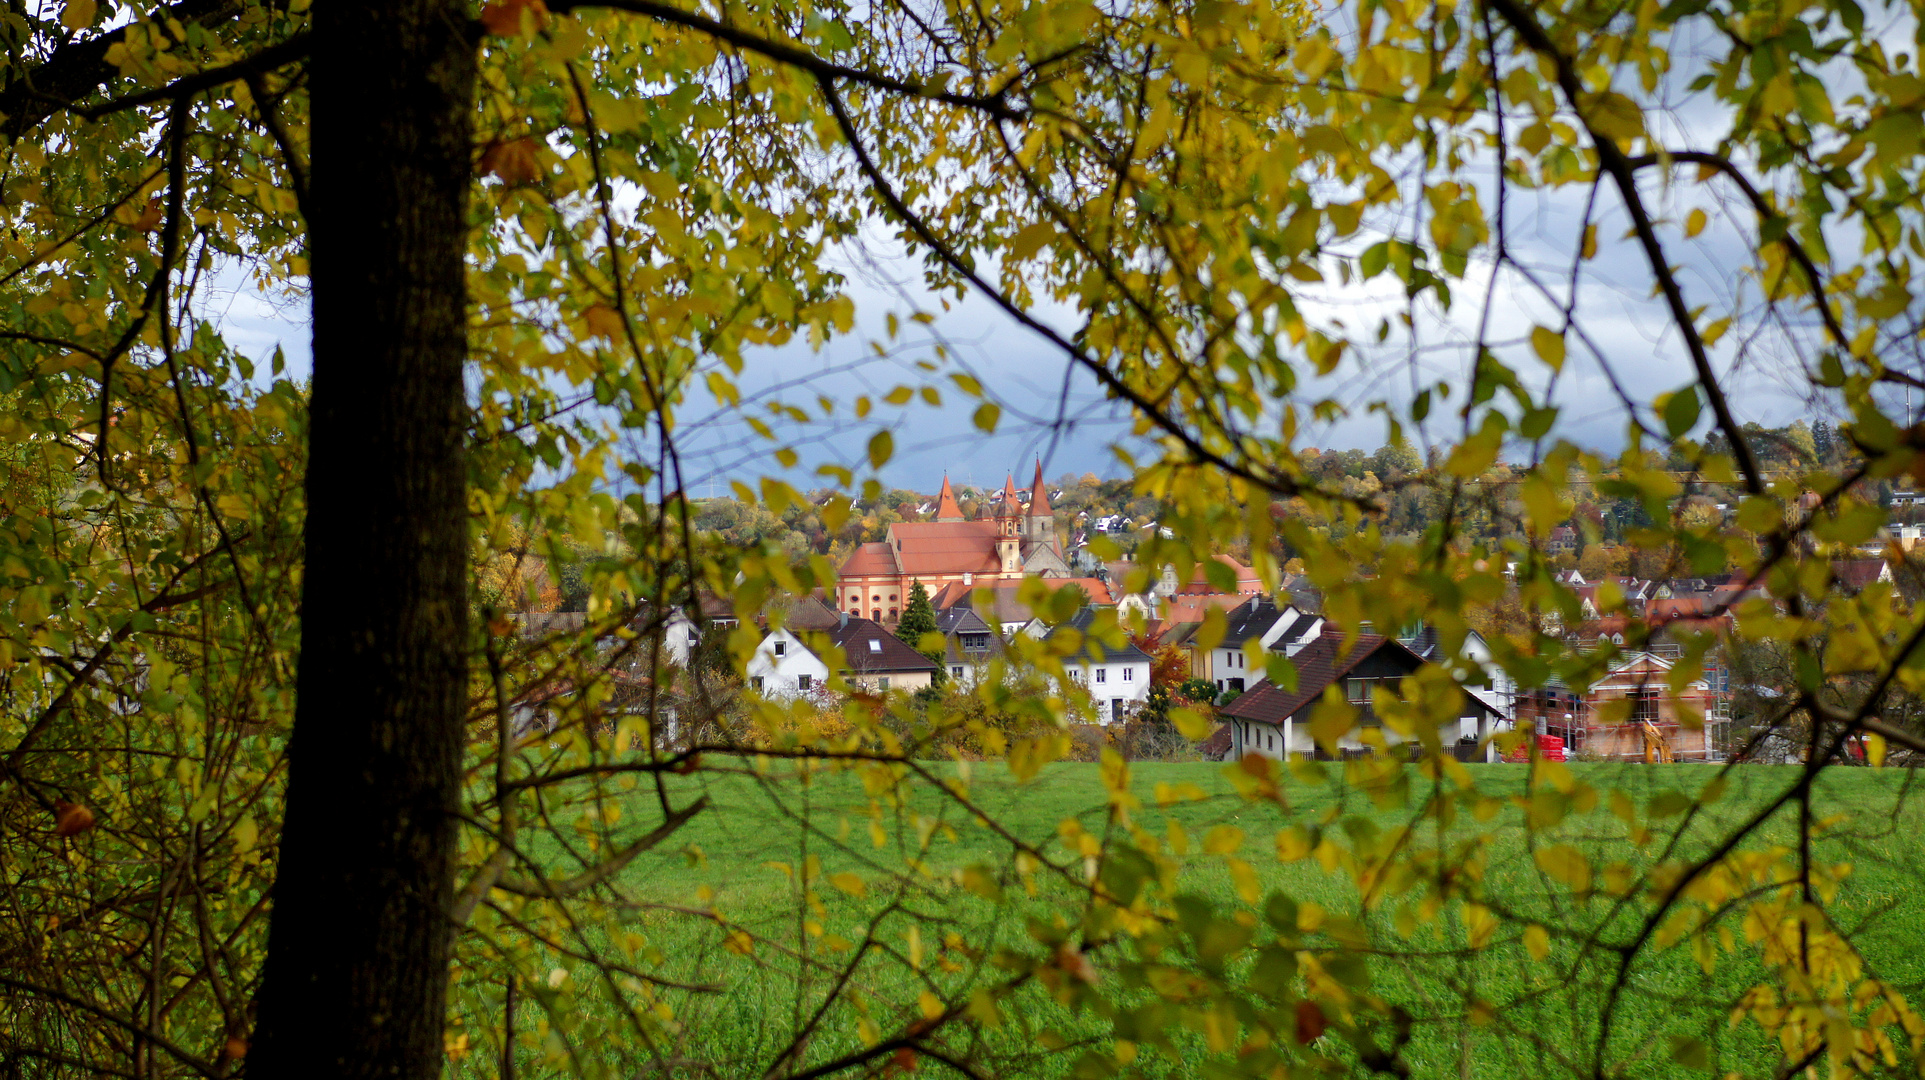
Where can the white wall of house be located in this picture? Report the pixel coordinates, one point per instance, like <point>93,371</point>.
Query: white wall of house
<point>1116,686</point>
<point>1233,669</point>
<point>784,668</point>
<point>1264,740</point>
<point>679,634</point>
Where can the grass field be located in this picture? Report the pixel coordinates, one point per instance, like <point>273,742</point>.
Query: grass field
<point>1545,1013</point>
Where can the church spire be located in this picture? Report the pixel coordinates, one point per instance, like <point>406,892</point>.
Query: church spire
<point>946,507</point>
<point>1039,498</point>
<point>1011,506</point>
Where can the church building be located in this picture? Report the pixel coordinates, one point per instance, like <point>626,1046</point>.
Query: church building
<point>1007,543</point>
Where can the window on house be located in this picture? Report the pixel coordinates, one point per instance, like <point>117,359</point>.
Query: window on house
<point>1129,674</point>
<point>892,598</point>
<point>756,681</point>
<point>781,648</point>
<point>892,611</point>
<point>875,645</point>
<point>876,614</point>
<point>804,682</point>
<point>956,670</point>
<point>1237,685</point>
<point>882,683</point>
<point>1644,705</point>
<point>1102,674</point>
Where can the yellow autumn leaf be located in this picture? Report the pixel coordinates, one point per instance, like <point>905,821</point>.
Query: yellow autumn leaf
<point>1537,941</point>
<point>1549,346</point>
<point>1566,864</point>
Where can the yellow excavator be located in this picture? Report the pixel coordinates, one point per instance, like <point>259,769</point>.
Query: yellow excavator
<point>1656,749</point>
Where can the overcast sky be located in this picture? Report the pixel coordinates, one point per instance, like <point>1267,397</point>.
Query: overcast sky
<point>1058,414</point>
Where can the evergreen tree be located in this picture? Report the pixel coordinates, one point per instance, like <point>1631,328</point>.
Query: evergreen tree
<point>918,618</point>
<point>1823,441</point>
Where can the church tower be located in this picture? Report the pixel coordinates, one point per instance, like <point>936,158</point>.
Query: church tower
<point>947,509</point>
<point>1040,523</point>
<point>1009,529</point>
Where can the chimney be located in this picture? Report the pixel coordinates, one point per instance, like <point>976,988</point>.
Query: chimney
<point>968,579</point>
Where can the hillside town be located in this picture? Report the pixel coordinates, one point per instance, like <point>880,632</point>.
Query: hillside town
<point>980,571</point>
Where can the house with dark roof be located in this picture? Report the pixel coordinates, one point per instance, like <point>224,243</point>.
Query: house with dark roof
<point>793,661</point>
<point>875,659</point>
<point>969,644</point>
<point>1116,676</point>
<point>1273,722</point>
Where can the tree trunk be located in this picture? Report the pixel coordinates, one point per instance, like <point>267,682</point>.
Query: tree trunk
<point>355,982</point>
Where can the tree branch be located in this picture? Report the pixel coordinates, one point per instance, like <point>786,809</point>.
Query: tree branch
<point>79,68</point>
<point>996,105</point>
<point>274,56</point>
<point>594,875</point>
<point>1613,162</point>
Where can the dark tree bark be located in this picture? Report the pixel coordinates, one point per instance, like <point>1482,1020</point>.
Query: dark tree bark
<point>355,982</point>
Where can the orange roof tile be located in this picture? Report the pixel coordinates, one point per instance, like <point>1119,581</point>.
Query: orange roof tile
<point>946,547</point>
<point>869,560</point>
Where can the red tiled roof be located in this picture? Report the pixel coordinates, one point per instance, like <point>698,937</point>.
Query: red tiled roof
<point>1192,607</point>
<point>1218,744</point>
<point>869,560</point>
<point>1247,579</point>
<point>946,547</point>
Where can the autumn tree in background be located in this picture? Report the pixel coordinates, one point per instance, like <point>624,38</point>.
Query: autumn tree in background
<point>282,789</point>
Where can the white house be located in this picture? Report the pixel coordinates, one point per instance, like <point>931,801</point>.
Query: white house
<point>1118,680</point>
<point>784,668</point>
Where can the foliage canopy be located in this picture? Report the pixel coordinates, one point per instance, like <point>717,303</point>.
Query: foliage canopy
<point>657,195</point>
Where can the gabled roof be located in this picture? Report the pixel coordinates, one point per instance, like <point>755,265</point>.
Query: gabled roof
<point>1192,608</point>
<point>872,650</point>
<point>1093,650</point>
<point>1854,574</point>
<point>958,621</point>
<point>810,613</point>
<point>1005,606</point>
<point>1247,580</point>
<point>1319,664</point>
<point>1251,619</point>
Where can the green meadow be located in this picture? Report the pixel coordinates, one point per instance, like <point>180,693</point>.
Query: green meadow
<point>903,887</point>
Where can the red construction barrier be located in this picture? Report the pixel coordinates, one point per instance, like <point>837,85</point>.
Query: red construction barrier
<point>1549,747</point>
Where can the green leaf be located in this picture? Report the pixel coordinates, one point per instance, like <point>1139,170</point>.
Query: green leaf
<point>1681,412</point>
